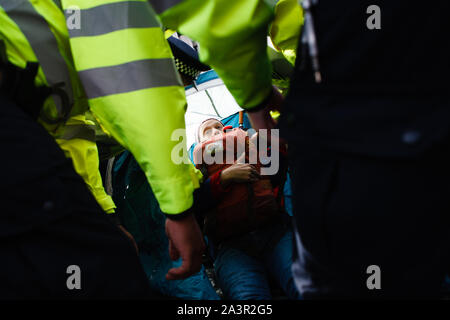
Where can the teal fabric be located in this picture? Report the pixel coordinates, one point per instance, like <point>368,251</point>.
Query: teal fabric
<point>140,214</point>
<point>203,78</point>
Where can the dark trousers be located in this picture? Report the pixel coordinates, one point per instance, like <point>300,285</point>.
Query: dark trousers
<point>353,212</point>
<point>49,221</point>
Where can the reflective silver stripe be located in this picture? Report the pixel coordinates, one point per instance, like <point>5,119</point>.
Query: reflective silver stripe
<point>42,41</point>
<point>112,17</point>
<point>109,176</point>
<point>79,131</point>
<point>132,76</point>
<point>162,5</point>
<point>10,4</point>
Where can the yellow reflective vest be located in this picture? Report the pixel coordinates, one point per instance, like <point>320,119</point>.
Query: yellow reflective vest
<point>113,60</point>
<point>286,27</point>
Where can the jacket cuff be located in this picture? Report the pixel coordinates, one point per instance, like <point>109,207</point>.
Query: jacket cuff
<point>179,216</point>
<point>262,105</point>
<point>114,218</point>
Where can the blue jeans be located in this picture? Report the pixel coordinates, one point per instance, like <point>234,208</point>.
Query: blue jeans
<point>196,287</point>
<point>244,277</point>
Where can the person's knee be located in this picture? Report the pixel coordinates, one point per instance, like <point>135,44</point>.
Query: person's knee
<point>241,277</point>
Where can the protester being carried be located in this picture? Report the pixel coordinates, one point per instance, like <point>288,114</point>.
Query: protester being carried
<point>242,215</point>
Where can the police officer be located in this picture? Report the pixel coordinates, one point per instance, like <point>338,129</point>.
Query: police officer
<point>65,58</point>
<point>368,122</point>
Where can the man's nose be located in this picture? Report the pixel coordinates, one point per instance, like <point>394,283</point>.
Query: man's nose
<point>216,132</point>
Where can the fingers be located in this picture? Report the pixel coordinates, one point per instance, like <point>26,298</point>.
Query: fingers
<point>130,237</point>
<point>185,241</point>
<point>254,174</point>
<point>241,173</point>
<point>251,174</point>
<point>261,120</point>
<point>173,252</point>
<point>188,267</point>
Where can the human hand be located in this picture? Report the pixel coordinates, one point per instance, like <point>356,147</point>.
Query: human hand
<point>239,173</point>
<point>262,119</point>
<point>185,241</point>
<point>129,236</point>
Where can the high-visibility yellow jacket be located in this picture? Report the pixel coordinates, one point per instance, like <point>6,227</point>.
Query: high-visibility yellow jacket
<point>113,59</point>
<point>286,27</point>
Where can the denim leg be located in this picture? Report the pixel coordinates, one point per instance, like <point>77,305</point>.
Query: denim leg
<point>195,287</point>
<point>240,276</point>
<point>279,263</point>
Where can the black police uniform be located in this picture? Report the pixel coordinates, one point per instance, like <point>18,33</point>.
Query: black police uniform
<point>369,149</point>
<point>49,220</point>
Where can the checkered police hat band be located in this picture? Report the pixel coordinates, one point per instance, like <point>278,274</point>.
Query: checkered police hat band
<point>186,69</point>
